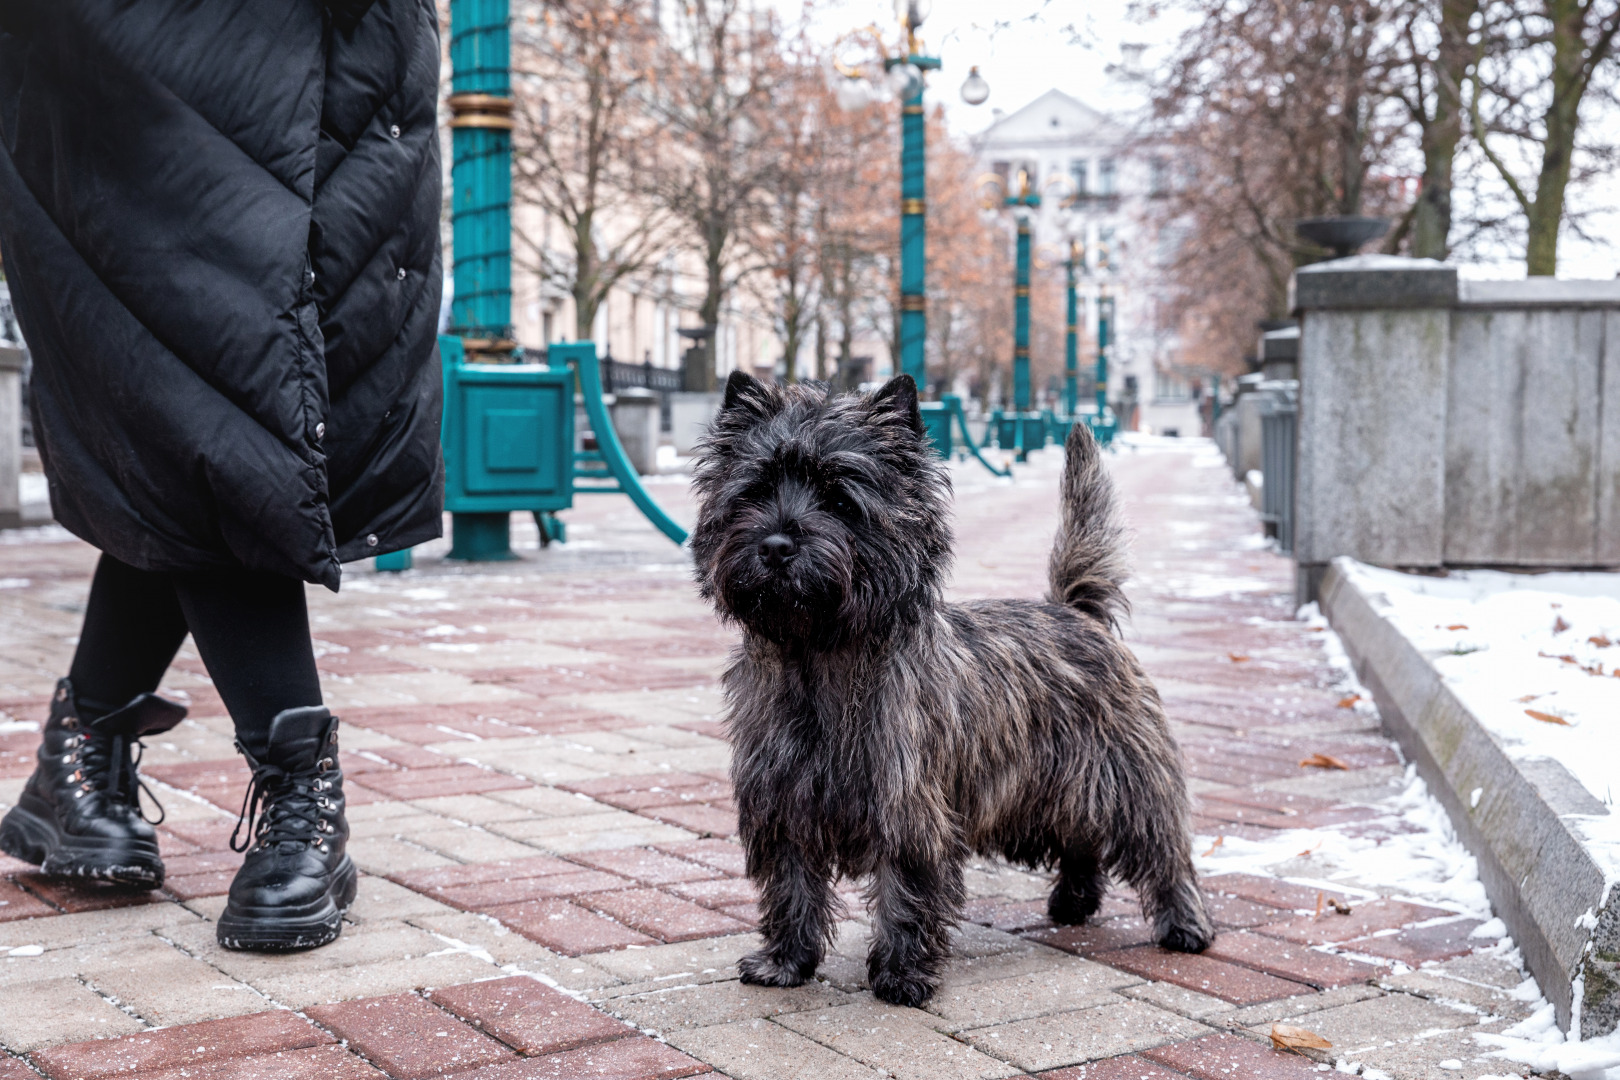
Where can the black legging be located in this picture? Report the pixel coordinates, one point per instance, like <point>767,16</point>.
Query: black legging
<point>252,630</point>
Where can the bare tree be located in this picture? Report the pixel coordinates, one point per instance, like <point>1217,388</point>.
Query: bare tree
<point>1538,63</point>
<point>582,70</point>
<point>717,70</point>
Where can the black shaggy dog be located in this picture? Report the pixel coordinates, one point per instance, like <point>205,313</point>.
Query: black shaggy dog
<point>881,731</point>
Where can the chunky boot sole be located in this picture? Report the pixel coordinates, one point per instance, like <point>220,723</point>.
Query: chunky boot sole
<point>30,833</point>
<point>291,929</point>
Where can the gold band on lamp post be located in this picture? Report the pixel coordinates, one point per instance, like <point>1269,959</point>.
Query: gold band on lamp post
<point>913,303</point>
<point>911,206</point>
<point>481,111</point>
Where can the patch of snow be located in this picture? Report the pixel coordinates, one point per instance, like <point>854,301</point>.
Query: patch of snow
<point>1536,657</point>
<point>14,583</point>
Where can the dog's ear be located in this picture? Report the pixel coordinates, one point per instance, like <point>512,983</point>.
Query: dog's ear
<point>899,396</point>
<point>750,397</point>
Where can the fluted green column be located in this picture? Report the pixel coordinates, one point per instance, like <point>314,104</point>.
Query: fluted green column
<point>914,227</point>
<point>1071,338</point>
<point>1021,396</point>
<point>1105,318</point>
<point>481,219</point>
<point>481,173</point>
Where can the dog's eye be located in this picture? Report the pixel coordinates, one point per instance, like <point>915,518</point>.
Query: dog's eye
<point>842,505</point>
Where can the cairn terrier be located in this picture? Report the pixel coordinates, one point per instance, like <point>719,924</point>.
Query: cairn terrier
<point>881,732</point>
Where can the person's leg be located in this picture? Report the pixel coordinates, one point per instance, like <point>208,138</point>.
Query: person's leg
<point>133,626</point>
<point>252,631</point>
<point>79,815</point>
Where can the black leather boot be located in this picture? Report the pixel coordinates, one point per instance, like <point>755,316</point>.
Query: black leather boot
<point>296,881</point>
<point>79,815</point>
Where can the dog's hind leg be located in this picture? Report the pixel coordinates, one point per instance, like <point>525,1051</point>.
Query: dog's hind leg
<point>1157,862</point>
<point>1079,890</point>
<point>796,906</point>
<point>915,902</point>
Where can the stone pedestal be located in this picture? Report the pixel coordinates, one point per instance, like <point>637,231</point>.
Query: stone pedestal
<point>689,416</point>
<point>635,420</point>
<point>11,448</point>
<point>1375,336</point>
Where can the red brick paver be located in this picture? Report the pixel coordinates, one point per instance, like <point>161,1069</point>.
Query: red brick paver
<point>409,1038</point>
<point>1232,1057</point>
<point>530,1017</point>
<point>152,1051</point>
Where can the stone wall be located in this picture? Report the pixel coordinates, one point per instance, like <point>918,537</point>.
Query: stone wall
<point>1454,423</point>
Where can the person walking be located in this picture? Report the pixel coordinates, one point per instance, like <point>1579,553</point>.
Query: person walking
<point>220,227</point>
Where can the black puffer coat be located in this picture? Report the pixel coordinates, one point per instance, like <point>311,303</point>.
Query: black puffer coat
<point>220,225</point>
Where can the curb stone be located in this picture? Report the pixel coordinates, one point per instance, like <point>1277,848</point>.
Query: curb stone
<point>1541,879</point>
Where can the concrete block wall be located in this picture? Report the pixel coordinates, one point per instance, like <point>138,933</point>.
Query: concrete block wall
<point>1452,423</point>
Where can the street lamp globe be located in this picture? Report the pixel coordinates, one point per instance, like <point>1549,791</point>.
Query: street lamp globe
<point>906,80</point>
<point>852,94</point>
<point>975,90</point>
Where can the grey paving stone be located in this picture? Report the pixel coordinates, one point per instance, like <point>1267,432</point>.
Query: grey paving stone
<point>298,989</point>
<point>512,950</point>
<point>762,1050</point>
<point>380,900</point>
<point>1179,1000</point>
<point>699,961</point>
<point>689,1005</point>
<point>1062,985</point>
<point>899,1041</point>
<point>165,987</point>
<point>1303,1004</point>
<point>1383,1022</point>
<point>56,1011</point>
<point>1120,1027</point>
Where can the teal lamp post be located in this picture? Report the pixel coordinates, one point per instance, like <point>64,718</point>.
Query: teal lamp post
<point>1071,330</point>
<point>1102,422</point>
<point>906,74</point>
<point>481,227</point>
<point>1024,430</point>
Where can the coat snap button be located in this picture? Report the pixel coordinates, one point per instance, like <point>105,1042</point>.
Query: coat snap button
<point>371,541</point>
<point>320,431</point>
<point>393,129</point>
<point>400,274</point>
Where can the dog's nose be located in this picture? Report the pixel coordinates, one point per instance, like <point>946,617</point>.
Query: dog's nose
<point>777,549</point>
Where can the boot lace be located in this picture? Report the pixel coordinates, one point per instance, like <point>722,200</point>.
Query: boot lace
<point>278,807</point>
<point>111,764</point>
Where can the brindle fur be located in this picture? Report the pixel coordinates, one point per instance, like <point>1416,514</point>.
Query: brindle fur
<point>880,731</point>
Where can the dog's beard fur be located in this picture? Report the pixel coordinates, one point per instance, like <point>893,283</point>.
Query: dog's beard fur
<point>879,731</point>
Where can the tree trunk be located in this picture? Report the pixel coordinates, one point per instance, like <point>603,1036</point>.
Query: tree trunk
<point>821,346</point>
<point>1562,119</point>
<point>1431,218</point>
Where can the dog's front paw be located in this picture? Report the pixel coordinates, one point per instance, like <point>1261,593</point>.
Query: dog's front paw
<point>766,968</point>
<point>902,987</point>
<point>1191,939</point>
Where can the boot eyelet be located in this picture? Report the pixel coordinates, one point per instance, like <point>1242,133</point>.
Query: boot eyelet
<point>87,786</point>
<point>327,764</point>
<point>80,793</point>
<point>70,722</point>
<point>67,759</point>
<point>325,826</point>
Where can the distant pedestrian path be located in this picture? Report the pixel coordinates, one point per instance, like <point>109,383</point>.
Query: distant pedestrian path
<point>540,806</point>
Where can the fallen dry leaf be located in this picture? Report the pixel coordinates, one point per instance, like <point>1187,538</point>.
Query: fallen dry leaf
<point>1341,907</point>
<point>1309,851</point>
<point>1219,840</point>
<point>1323,761</point>
<point>1318,914</point>
<point>1559,625</point>
<point>1457,626</point>
<point>1600,641</point>
<point>1237,658</point>
<point>1527,698</point>
<point>1349,702</point>
<point>1546,717</point>
<point>1289,1037</point>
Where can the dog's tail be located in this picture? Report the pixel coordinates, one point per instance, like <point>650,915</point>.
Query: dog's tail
<point>1088,568</point>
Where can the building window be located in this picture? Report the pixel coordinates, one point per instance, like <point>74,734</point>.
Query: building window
<point>1077,175</point>
<point>1107,177</point>
<point>1002,169</point>
<point>1158,177</point>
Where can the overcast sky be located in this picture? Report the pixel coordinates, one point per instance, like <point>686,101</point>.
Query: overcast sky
<point>1024,48</point>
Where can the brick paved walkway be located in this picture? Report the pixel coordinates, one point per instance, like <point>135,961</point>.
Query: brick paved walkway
<point>540,807</point>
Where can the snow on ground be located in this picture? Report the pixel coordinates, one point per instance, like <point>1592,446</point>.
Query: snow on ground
<point>1537,659</point>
